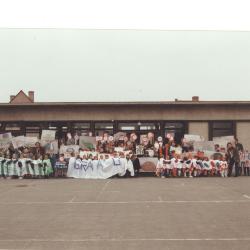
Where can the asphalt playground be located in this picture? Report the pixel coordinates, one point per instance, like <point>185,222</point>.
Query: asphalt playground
<point>115,214</point>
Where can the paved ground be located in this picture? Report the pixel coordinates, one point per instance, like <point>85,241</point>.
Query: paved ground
<point>116,214</point>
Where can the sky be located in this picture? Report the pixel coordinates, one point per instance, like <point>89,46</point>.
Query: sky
<point>125,50</point>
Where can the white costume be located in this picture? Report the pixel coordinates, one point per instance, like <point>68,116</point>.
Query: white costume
<point>2,167</point>
<point>207,165</point>
<point>22,167</point>
<point>71,167</point>
<point>223,168</point>
<point>129,166</point>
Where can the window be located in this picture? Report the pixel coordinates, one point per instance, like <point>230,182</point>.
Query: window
<point>147,126</point>
<point>128,126</point>
<point>32,131</point>
<point>81,128</point>
<point>81,125</point>
<point>222,129</point>
<point>174,125</point>
<point>175,129</point>
<point>135,126</point>
<point>12,127</point>
<point>104,125</point>
<point>64,129</point>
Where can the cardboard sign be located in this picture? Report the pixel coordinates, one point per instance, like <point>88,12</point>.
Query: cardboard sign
<point>67,150</point>
<point>204,146</point>
<point>224,140</point>
<point>48,135</point>
<point>5,140</point>
<point>18,141</point>
<point>30,141</point>
<point>87,142</point>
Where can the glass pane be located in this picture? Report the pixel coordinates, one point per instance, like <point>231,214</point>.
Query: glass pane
<point>103,125</point>
<point>145,127</point>
<point>32,128</point>
<point>81,125</point>
<point>64,129</point>
<point>102,132</point>
<point>222,132</point>
<point>128,126</point>
<point>52,128</point>
<point>12,127</point>
<point>29,134</point>
<point>32,131</point>
<point>222,125</point>
<point>174,125</point>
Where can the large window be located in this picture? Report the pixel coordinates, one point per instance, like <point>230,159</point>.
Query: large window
<point>81,128</point>
<point>128,126</point>
<point>12,127</point>
<point>33,131</point>
<point>136,126</point>
<point>147,126</point>
<point>61,129</point>
<point>223,128</point>
<point>175,129</point>
<point>104,127</point>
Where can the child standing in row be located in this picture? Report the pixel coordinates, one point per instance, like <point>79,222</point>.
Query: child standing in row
<point>223,168</point>
<point>61,167</point>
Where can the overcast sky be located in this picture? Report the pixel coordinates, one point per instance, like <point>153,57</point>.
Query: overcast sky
<point>124,65</point>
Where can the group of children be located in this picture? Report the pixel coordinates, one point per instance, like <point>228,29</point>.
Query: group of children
<point>28,166</point>
<point>187,165</point>
<point>21,167</point>
<point>190,166</point>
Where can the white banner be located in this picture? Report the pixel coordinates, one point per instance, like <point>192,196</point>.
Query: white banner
<point>30,141</point>
<point>96,169</point>
<point>48,135</point>
<point>193,138</point>
<point>23,141</point>
<point>18,141</point>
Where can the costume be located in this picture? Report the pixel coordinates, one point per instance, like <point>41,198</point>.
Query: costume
<point>223,168</point>
<point>47,167</point>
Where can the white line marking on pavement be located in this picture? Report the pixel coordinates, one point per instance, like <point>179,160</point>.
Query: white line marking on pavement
<point>246,196</point>
<point>120,202</point>
<point>103,189</point>
<point>128,239</point>
<point>159,198</point>
<point>71,201</point>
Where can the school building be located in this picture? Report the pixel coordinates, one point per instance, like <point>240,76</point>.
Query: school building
<point>23,116</point>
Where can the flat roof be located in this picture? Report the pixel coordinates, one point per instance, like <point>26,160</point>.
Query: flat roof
<point>127,103</point>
